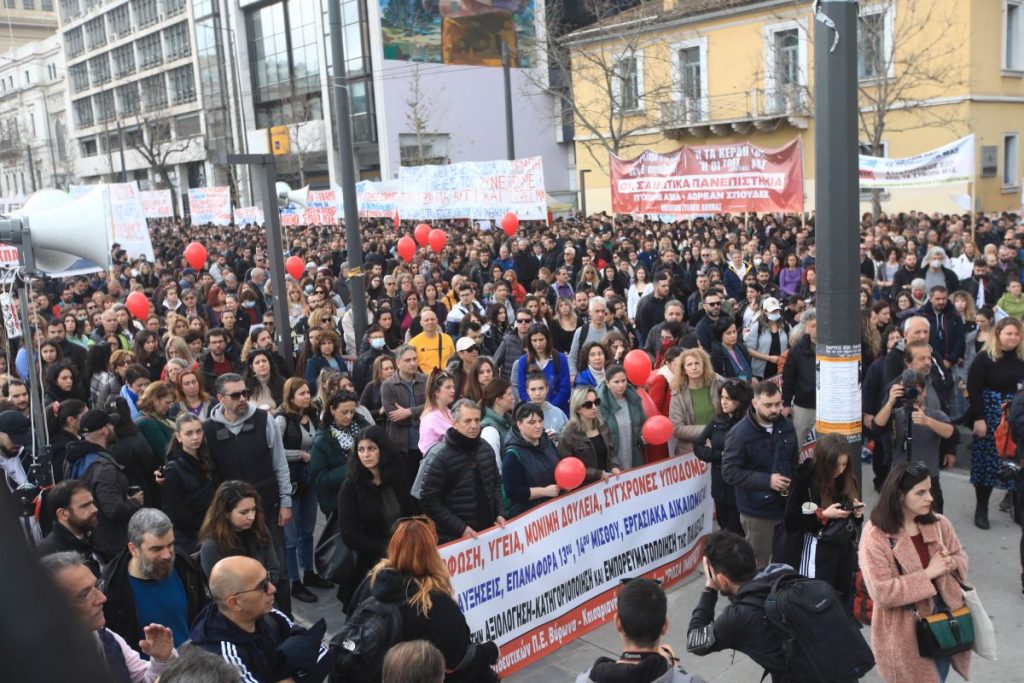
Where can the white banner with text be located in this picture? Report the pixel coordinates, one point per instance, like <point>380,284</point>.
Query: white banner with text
<point>474,189</point>
<point>952,163</point>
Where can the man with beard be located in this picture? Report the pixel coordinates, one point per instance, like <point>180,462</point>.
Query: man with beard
<point>74,517</point>
<point>150,582</point>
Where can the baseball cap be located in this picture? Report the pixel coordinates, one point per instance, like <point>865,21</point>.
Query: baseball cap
<point>95,419</point>
<point>771,304</point>
<point>465,343</point>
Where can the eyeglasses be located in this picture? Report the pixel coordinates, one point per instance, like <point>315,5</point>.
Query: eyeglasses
<point>84,596</point>
<point>521,321</point>
<point>263,586</point>
<point>238,395</point>
<point>591,404</point>
<point>713,304</point>
<point>473,349</point>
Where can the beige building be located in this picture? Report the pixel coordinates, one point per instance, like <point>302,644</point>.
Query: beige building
<point>26,21</point>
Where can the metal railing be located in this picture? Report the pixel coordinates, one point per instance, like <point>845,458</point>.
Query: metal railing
<point>754,104</point>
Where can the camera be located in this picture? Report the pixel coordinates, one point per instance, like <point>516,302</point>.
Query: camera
<point>1010,472</point>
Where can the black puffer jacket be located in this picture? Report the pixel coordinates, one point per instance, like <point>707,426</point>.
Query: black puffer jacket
<point>715,432</point>
<point>461,486</point>
<point>187,493</point>
<point>798,376</point>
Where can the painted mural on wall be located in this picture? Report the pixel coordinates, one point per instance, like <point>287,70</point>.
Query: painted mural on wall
<point>466,32</point>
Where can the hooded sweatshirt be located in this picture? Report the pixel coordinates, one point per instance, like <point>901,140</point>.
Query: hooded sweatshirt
<point>274,443</point>
<point>653,668</point>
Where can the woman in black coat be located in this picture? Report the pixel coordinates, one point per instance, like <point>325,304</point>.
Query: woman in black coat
<point>709,446</point>
<point>373,497</point>
<point>190,479</point>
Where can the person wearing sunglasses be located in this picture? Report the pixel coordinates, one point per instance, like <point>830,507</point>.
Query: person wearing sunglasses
<point>513,343</point>
<point>242,626</point>
<point>586,436</point>
<point>706,327</point>
<point>914,563</point>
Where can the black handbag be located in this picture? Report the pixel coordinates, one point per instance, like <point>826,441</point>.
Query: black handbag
<point>333,559</point>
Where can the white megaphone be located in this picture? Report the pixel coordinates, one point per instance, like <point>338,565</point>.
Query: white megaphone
<point>286,195</point>
<point>63,230</point>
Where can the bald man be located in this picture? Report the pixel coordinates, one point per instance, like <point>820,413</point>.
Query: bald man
<point>242,626</point>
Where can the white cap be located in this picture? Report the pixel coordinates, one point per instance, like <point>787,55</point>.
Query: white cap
<point>465,343</point>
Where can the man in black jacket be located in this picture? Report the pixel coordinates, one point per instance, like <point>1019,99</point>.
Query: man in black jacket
<point>151,582</point>
<point>74,517</point>
<point>799,380</point>
<point>461,485</point>
<point>730,569</point>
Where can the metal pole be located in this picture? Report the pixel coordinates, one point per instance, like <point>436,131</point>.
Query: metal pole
<point>343,124</point>
<point>120,138</point>
<point>31,167</point>
<point>836,187</point>
<point>510,134</point>
<point>583,191</point>
<point>275,247</point>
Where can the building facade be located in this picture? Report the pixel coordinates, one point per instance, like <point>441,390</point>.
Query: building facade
<point>671,73</point>
<point>26,21</point>
<point>34,146</point>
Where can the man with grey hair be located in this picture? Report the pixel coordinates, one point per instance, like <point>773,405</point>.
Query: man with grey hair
<point>78,584</point>
<point>195,665</point>
<point>461,486</point>
<point>936,274</point>
<point>595,331</point>
<point>152,582</point>
<point>799,380</point>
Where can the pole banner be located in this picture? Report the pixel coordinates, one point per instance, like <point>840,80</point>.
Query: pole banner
<point>952,163</point>
<point>474,189</point>
<point>732,178</point>
<point>551,574</point>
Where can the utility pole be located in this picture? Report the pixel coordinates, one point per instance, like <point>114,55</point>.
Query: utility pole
<point>346,165</point>
<point>120,149</point>
<point>583,191</point>
<point>510,133</point>
<point>837,235</point>
<point>31,166</point>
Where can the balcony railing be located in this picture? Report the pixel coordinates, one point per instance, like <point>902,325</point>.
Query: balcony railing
<point>719,114</point>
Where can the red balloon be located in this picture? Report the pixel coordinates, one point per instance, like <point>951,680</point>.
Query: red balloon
<point>570,473</point>
<point>650,409</point>
<point>138,305</point>
<point>406,248</point>
<point>657,430</point>
<point>196,254</point>
<point>437,240</point>
<point>422,234</point>
<point>510,223</point>
<point>295,267</point>
<point>638,367</point>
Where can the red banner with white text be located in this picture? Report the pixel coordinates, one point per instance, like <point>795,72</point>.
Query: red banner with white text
<point>731,178</point>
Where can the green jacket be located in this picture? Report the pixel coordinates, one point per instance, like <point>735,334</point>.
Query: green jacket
<point>156,434</point>
<point>609,406</point>
<point>328,464</point>
<point>500,423</point>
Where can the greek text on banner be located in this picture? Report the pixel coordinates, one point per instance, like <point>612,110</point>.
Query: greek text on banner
<point>551,574</point>
<point>952,163</point>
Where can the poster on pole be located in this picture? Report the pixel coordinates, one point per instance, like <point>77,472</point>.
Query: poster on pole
<point>248,215</point>
<point>949,164</point>
<point>210,205</point>
<point>730,178</point>
<point>551,575</point>
<point>157,203</point>
<point>474,189</point>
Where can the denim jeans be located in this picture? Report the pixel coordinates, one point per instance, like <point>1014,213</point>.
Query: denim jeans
<point>943,666</point>
<point>298,534</point>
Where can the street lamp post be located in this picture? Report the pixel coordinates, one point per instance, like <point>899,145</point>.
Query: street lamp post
<point>583,191</point>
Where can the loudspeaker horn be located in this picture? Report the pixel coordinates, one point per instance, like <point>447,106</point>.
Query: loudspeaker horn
<point>286,195</point>
<point>63,230</point>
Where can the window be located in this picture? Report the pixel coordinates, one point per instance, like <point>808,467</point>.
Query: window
<point>128,99</point>
<point>425,148</point>
<point>120,21</point>
<point>46,5</point>
<point>133,138</point>
<point>629,95</point>
<point>183,87</point>
<point>83,112</point>
<point>74,44</point>
<point>103,106</point>
<point>786,62</point>
<point>187,126</point>
<point>78,74</point>
<point>9,4</point>
<point>1013,54</point>
<point>124,60</point>
<point>99,69</point>
<point>1011,160</point>
<point>28,77</point>
<point>95,33</point>
<point>145,12</point>
<point>689,73</point>
<point>787,57</point>
<point>28,4</point>
<point>362,119</point>
<point>154,92</point>
<point>176,41</point>
<point>89,147</point>
<point>149,51</point>
<point>172,7</point>
<point>60,138</point>
<point>870,45</point>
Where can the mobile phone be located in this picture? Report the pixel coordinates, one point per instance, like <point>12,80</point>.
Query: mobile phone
<point>858,506</point>
<point>132,490</point>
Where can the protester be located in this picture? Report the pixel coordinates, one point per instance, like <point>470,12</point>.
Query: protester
<point>191,396</point>
<point>696,392</point>
<point>586,436</point>
<point>153,422</point>
<point>541,357</point>
<point>799,378</point>
<point>436,418</point>
<point>74,516</point>
<point>498,403</point>
<point>530,458</point>
<point>733,405</point>
<point>333,447</point>
<point>624,414</point>
<point>189,481</point>
<point>403,396</point>
<point>414,661</point>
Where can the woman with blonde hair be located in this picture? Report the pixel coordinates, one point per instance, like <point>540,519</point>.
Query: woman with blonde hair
<point>414,576</point>
<point>696,397</point>
<point>991,380</point>
<point>153,421</point>
<point>383,368</point>
<point>563,324</point>
<point>436,418</point>
<point>586,436</point>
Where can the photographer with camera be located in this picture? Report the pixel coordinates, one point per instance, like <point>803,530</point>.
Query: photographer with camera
<point>919,433</point>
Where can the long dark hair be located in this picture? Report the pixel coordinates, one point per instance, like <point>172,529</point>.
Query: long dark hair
<point>390,472</point>
<point>833,489</point>
<point>531,354</point>
<point>176,450</point>
<point>739,391</point>
<point>217,526</point>
<point>888,512</point>
<point>275,383</point>
<point>96,360</point>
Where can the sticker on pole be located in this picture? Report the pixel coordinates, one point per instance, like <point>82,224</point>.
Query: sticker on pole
<point>838,385</point>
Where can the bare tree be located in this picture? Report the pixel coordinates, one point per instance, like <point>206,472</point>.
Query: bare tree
<point>302,144</point>
<point>420,118</point>
<point>156,143</point>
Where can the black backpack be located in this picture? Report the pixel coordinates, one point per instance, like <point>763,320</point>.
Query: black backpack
<point>820,641</point>
<point>359,647</point>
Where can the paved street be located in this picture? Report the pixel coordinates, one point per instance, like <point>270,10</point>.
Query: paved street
<point>994,569</point>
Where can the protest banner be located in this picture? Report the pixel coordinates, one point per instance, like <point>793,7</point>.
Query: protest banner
<point>952,163</point>
<point>378,199</point>
<point>248,215</point>
<point>473,189</point>
<point>157,203</point>
<point>210,205</point>
<point>128,225</point>
<point>551,574</point>
<point>730,178</point>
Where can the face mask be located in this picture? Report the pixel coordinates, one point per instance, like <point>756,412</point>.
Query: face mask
<point>377,344</point>
<point>757,260</point>
<point>308,289</point>
<point>774,317</point>
<point>248,304</point>
<point>936,263</point>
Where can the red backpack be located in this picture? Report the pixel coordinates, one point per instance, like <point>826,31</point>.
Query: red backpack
<point>1005,445</point>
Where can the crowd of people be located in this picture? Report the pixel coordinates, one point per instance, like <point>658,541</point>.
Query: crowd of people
<point>192,458</point>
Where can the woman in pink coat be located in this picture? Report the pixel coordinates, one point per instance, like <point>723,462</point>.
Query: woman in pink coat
<point>904,530</point>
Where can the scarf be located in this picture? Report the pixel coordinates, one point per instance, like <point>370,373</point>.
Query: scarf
<point>345,437</point>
